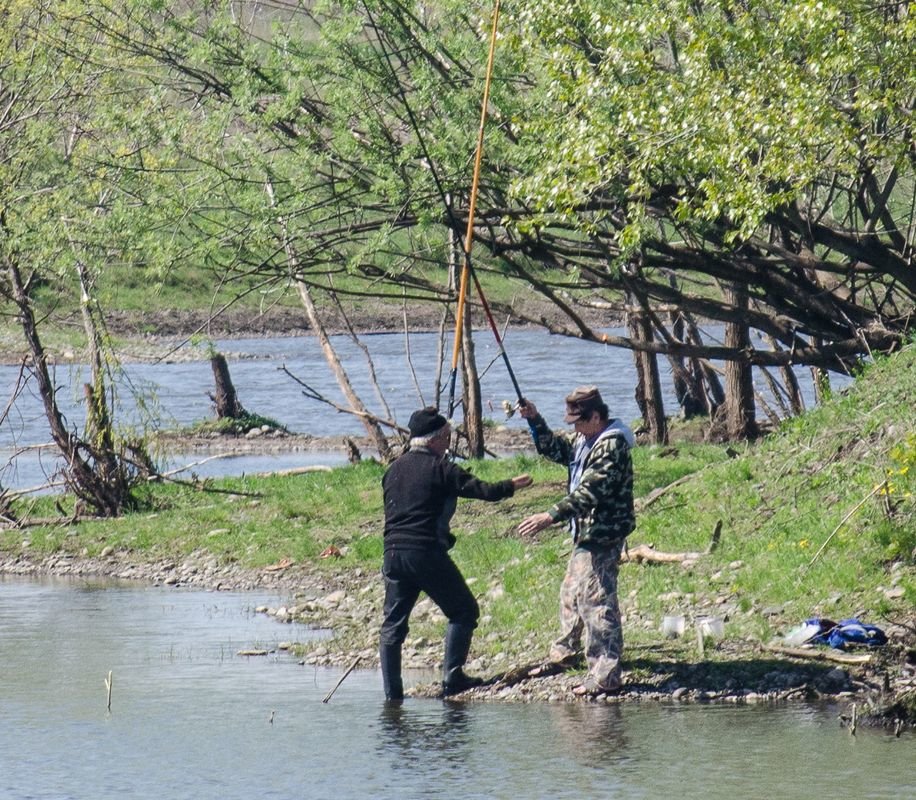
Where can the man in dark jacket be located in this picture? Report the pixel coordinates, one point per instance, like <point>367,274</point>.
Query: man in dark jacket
<point>599,510</point>
<point>421,490</point>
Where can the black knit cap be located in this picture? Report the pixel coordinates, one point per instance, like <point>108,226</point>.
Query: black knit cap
<point>425,421</point>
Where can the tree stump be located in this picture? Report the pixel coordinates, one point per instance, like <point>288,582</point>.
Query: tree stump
<point>227,403</point>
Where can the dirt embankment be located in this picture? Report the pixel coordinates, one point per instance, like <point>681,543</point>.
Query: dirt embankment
<point>371,316</point>
<point>163,333</point>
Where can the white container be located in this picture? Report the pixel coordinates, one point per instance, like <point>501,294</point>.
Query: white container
<point>801,634</point>
<point>673,626</point>
<point>711,627</point>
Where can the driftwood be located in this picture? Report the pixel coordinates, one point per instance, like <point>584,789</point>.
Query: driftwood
<point>535,669</point>
<point>279,473</point>
<point>644,502</point>
<point>643,553</point>
<point>819,654</point>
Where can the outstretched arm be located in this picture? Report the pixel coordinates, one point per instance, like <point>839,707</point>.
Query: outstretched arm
<point>535,523</point>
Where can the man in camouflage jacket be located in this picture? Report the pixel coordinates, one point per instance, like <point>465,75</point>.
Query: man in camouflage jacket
<point>599,510</point>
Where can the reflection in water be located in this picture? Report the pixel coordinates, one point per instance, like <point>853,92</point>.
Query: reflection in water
<point>427,737</point>
<point>593,735</point>
<point>450,746</point>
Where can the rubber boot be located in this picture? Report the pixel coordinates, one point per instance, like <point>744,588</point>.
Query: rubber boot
<point>457,645</point>
<point>390,660</point>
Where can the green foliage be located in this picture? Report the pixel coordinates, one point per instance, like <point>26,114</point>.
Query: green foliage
<point>634,95</point>
<point>171,147</point>
<point>227,155</point>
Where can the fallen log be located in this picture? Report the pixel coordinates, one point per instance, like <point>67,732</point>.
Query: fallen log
<point>647,553</point>
<point>282,473</point>
<point>819,654</point>
<point>643,553</point>
<point>534,669</point>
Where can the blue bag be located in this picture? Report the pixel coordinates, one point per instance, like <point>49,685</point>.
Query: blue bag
<point>847,633</point>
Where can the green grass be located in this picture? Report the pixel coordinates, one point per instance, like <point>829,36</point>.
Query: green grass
<point>809,486</point>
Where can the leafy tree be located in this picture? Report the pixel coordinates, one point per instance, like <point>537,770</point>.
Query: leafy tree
<point>746,162</point>
<point>765,144</point>
<point>68,207</point>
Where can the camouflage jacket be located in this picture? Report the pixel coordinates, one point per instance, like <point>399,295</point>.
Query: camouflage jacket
<point>600,507</point>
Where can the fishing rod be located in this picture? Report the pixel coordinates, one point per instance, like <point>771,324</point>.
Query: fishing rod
<point>467,269</point>
<point>472,209</point>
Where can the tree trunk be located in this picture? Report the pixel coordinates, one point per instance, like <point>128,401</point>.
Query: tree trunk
<point>473,408</point>
<point>226,400</point>
<point>740,414</point>
<point>790,383</point>
<point>689,392</point>
<point>714,394</point>
<point>98,431</point>
<point>105,499</point>
<point>343,380</point>
<point>796,400</point>
<point>648,383</point>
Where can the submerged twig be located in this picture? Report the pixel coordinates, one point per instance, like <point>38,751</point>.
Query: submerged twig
<point>342,679</point>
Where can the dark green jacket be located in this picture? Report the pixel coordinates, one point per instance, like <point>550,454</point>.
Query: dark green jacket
<point>600,508</point>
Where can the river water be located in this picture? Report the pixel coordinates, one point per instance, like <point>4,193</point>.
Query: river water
<point>191,718</point>
<point>176,394</point>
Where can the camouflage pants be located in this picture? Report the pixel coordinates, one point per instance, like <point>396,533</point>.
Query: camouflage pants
<point>588,605</point>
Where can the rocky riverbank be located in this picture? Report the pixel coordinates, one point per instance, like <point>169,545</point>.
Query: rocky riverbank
<point>730,670</point>
<point>499,439</point>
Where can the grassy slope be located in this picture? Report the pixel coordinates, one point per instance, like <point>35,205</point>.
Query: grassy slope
<point>778,501</point>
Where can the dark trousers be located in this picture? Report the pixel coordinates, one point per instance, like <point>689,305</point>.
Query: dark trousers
<point>409,572</point>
